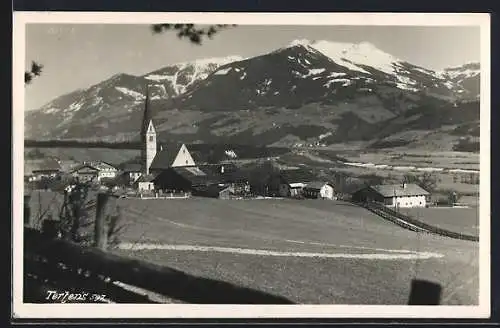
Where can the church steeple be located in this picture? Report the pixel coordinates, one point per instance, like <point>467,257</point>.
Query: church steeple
<point>146,117</point>
<point>148,136</point>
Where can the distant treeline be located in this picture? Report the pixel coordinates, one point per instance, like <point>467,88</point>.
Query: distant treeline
<point>81,144</point>
<point>205,152</point>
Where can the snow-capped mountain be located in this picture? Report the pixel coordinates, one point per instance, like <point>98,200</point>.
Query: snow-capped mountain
<point>318,71</point>
<point>176,79</point>
<point>117,100</point>
<point>466,77</point>
<point>306,92</point>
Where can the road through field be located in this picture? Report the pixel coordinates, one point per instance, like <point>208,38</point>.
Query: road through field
<point>315,252</point>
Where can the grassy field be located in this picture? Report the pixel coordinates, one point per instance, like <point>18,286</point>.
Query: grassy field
<point>328,161</point>
<point>315,252</point>
<point>464,220</point>
<point>309,251</point>
<point>461,160</point>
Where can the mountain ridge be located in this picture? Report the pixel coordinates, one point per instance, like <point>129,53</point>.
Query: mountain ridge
<point>297,92</point>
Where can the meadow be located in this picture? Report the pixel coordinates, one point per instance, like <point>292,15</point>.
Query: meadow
<point>310,251</point>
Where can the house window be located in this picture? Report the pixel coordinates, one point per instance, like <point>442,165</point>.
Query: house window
<point>186,161</point>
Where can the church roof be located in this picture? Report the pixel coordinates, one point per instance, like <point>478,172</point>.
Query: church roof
<point>164,159</point>
<point>148,114</point>
<point>165,156</point>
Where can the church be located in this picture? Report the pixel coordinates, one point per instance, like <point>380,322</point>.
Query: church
<point>172,168</point>
<point>155,158</point>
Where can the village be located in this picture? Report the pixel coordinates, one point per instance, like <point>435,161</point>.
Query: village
<point>171,172</point>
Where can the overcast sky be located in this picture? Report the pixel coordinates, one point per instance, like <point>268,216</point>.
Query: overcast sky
<point>77,56</point>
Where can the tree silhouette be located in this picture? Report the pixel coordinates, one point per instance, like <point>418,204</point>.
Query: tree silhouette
<point>35,70</point>
<point>190,31</point>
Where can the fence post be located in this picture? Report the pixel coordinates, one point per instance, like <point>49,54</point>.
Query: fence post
<point>424,292</point>
<point>27,210</point>
<point>100,232</point>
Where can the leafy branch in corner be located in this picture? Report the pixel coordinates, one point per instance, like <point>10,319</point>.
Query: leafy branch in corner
<point>190,31</point>
<point>36,70</point>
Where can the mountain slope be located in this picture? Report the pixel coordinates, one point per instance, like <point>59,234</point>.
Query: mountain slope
<point>310,92</point>
<point>466,77</point>
<point>112,107</point>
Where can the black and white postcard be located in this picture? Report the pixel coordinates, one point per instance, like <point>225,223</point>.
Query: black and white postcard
<point>237,165</point>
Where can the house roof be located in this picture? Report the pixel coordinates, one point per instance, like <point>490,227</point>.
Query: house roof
<point>397,190</point>
<point>101,165</point>
<point>197,176</point>
<point>81,166</point>
<point>68,165</point>
<point>132,167</point>
<point>316,184</point>
<point>297,175</point>
<point>230,173</point>
<point>146,178</point>
<point>38,165</point>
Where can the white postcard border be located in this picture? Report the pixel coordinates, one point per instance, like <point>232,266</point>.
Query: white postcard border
<point>22,310</point>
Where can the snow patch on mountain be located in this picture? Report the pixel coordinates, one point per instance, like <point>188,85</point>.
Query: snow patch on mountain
<point>312,72</point>
<point>335,74</point>
<point>204,62</point>
<point>223,71</point>
<point>51,110</point>
<point>158,78</point>
<point>345,82</point>
<point>131,93</point>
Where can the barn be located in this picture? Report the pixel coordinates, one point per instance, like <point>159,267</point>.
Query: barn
<point>293,181</point>
<point>183,179</point>
<point>398,195</point>
<point>319,190</point>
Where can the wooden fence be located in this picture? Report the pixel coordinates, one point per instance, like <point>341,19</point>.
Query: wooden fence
<point>413,224</point>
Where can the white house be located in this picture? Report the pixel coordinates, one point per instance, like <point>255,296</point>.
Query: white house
<point>104,170</point>
<point>132,171</point>
<point>399,195</point>
<point>322,190</point>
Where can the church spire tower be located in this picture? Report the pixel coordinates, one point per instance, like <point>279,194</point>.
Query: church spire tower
<point>148,136</point>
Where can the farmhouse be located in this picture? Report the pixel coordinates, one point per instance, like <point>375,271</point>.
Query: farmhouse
<point>105,170</point>
<point>318,189</point>
<point>36,169</point>
<point>292,182</point>
<point>94,171</point>
<point>85,173</point>
<point>399,195</point>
